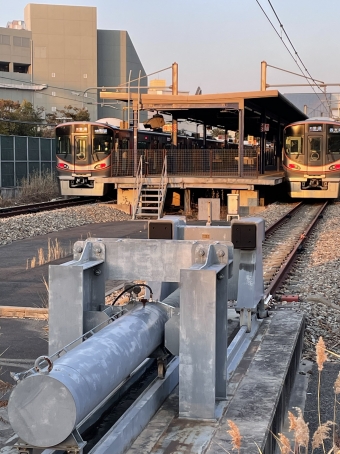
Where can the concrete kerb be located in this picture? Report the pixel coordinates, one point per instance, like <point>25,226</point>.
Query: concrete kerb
<point>37,313</point>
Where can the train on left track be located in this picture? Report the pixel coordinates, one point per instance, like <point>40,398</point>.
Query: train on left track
<point>88,153</point>
<point>311,158</point>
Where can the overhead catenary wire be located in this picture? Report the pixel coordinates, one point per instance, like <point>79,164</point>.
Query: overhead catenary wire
<point>295,57</point>
<point>72,90</point>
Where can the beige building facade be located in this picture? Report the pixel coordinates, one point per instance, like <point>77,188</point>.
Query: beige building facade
<point>56,55</point>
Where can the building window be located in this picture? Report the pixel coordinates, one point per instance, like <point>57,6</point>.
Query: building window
<point>4,66</point>
<point>5,39</point>
<point>21,42</point>
<point>53,74</point>
<point>53,93</point>
<point>20,68</point>
<point>85,76</point>
<point>17,41</point>
<point>54,109</point>
<point>25,42</point>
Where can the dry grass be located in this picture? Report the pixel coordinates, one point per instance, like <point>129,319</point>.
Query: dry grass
<point>38,188</point>
<point>6,202</point>
<point>297,424</point>
<point>54,252</point>
<point>4,387</point>
<point>235,435</point>
<point>34,189</point>
<point>44,296</point>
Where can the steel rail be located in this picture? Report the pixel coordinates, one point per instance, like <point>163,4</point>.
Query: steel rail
<point>280,221</point>
<point>282,273</point>
<point>43,206</point>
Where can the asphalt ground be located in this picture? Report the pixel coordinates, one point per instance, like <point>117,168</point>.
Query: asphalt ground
<point>21,287</point>
<point>23,340</point>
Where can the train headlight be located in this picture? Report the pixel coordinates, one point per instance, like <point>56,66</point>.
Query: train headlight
<point>100,166</point>
<point>293,166</point>
<point>61,165</point>
<point>335,167</point>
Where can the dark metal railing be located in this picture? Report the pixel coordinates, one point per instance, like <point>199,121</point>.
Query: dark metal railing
<point>194,162</point>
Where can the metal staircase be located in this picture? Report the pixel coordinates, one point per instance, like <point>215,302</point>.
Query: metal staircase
<point>150,197</point>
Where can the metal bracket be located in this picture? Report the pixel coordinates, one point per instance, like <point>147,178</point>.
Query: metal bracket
<point>73,444</point>
<point>206,255</point>
<point>88,251</point>
<point>245,318</point>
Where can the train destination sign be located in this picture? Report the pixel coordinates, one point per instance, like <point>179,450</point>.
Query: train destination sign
<point>315,128</point>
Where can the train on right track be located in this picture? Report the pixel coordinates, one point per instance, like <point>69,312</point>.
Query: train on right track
<point>311,158</point>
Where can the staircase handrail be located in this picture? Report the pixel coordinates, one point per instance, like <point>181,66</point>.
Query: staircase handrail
<point>162,187</point>
<point>138,186</point>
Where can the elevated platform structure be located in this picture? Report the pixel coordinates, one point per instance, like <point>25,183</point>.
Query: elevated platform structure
<point>261,114</point>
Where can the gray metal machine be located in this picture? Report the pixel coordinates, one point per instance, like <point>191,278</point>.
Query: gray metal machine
<point>93,349</point>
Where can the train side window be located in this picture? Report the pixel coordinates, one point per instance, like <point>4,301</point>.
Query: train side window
<point>333,148</point>
<point>294,145</point>
<point>125,144</point>
<point>63,145</point>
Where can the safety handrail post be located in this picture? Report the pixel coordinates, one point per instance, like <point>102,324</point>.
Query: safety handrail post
<point>138,186</point>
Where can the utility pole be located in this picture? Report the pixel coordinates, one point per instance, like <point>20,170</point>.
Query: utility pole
<point>263,75</point>
<point>174,92</point>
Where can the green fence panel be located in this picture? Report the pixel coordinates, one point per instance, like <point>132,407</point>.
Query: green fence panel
<point>7,148</point>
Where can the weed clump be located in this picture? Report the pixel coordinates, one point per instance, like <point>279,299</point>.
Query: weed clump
<point>38,188</point>
<point>35,188</point>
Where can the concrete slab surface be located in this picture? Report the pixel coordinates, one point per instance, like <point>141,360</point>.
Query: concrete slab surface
<point>254,399</point>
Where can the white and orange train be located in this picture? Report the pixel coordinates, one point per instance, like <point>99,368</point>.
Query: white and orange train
<point>311,158</point>
<point>89,154</point>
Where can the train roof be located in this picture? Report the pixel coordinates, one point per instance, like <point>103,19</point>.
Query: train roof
<point>142,131</point>
<point>324,120</point>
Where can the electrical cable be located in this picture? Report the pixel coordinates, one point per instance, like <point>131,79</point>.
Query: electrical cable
<point>290,53</point>
<point>296,53</point>
<point>130,288</point>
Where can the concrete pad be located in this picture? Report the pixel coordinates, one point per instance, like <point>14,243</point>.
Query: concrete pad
<point>257,398</point>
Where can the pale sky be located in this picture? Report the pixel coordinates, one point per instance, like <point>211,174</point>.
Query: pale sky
<point>219,44</point>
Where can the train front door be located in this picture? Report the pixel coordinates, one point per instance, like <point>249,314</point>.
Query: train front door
<point>81,156</point>
<point>315,157</point>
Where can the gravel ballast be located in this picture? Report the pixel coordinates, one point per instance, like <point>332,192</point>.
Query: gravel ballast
<point>29,225</point>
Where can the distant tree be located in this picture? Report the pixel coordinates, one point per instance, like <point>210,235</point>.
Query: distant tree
<point>69,113</point>
<point>19,119</point>
<point>217,132</point>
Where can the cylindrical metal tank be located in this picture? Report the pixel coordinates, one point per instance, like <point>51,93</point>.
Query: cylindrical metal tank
<point>44,409</point>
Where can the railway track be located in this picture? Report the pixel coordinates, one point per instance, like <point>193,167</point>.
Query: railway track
<point>43,206</point>
<point>284,240</point>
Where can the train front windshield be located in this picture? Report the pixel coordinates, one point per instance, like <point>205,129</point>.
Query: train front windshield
<point>102,140</point>
<point>294,140</point>
<point>63,134</point>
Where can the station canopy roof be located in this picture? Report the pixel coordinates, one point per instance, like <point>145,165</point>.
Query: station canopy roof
<point>221,109</point>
